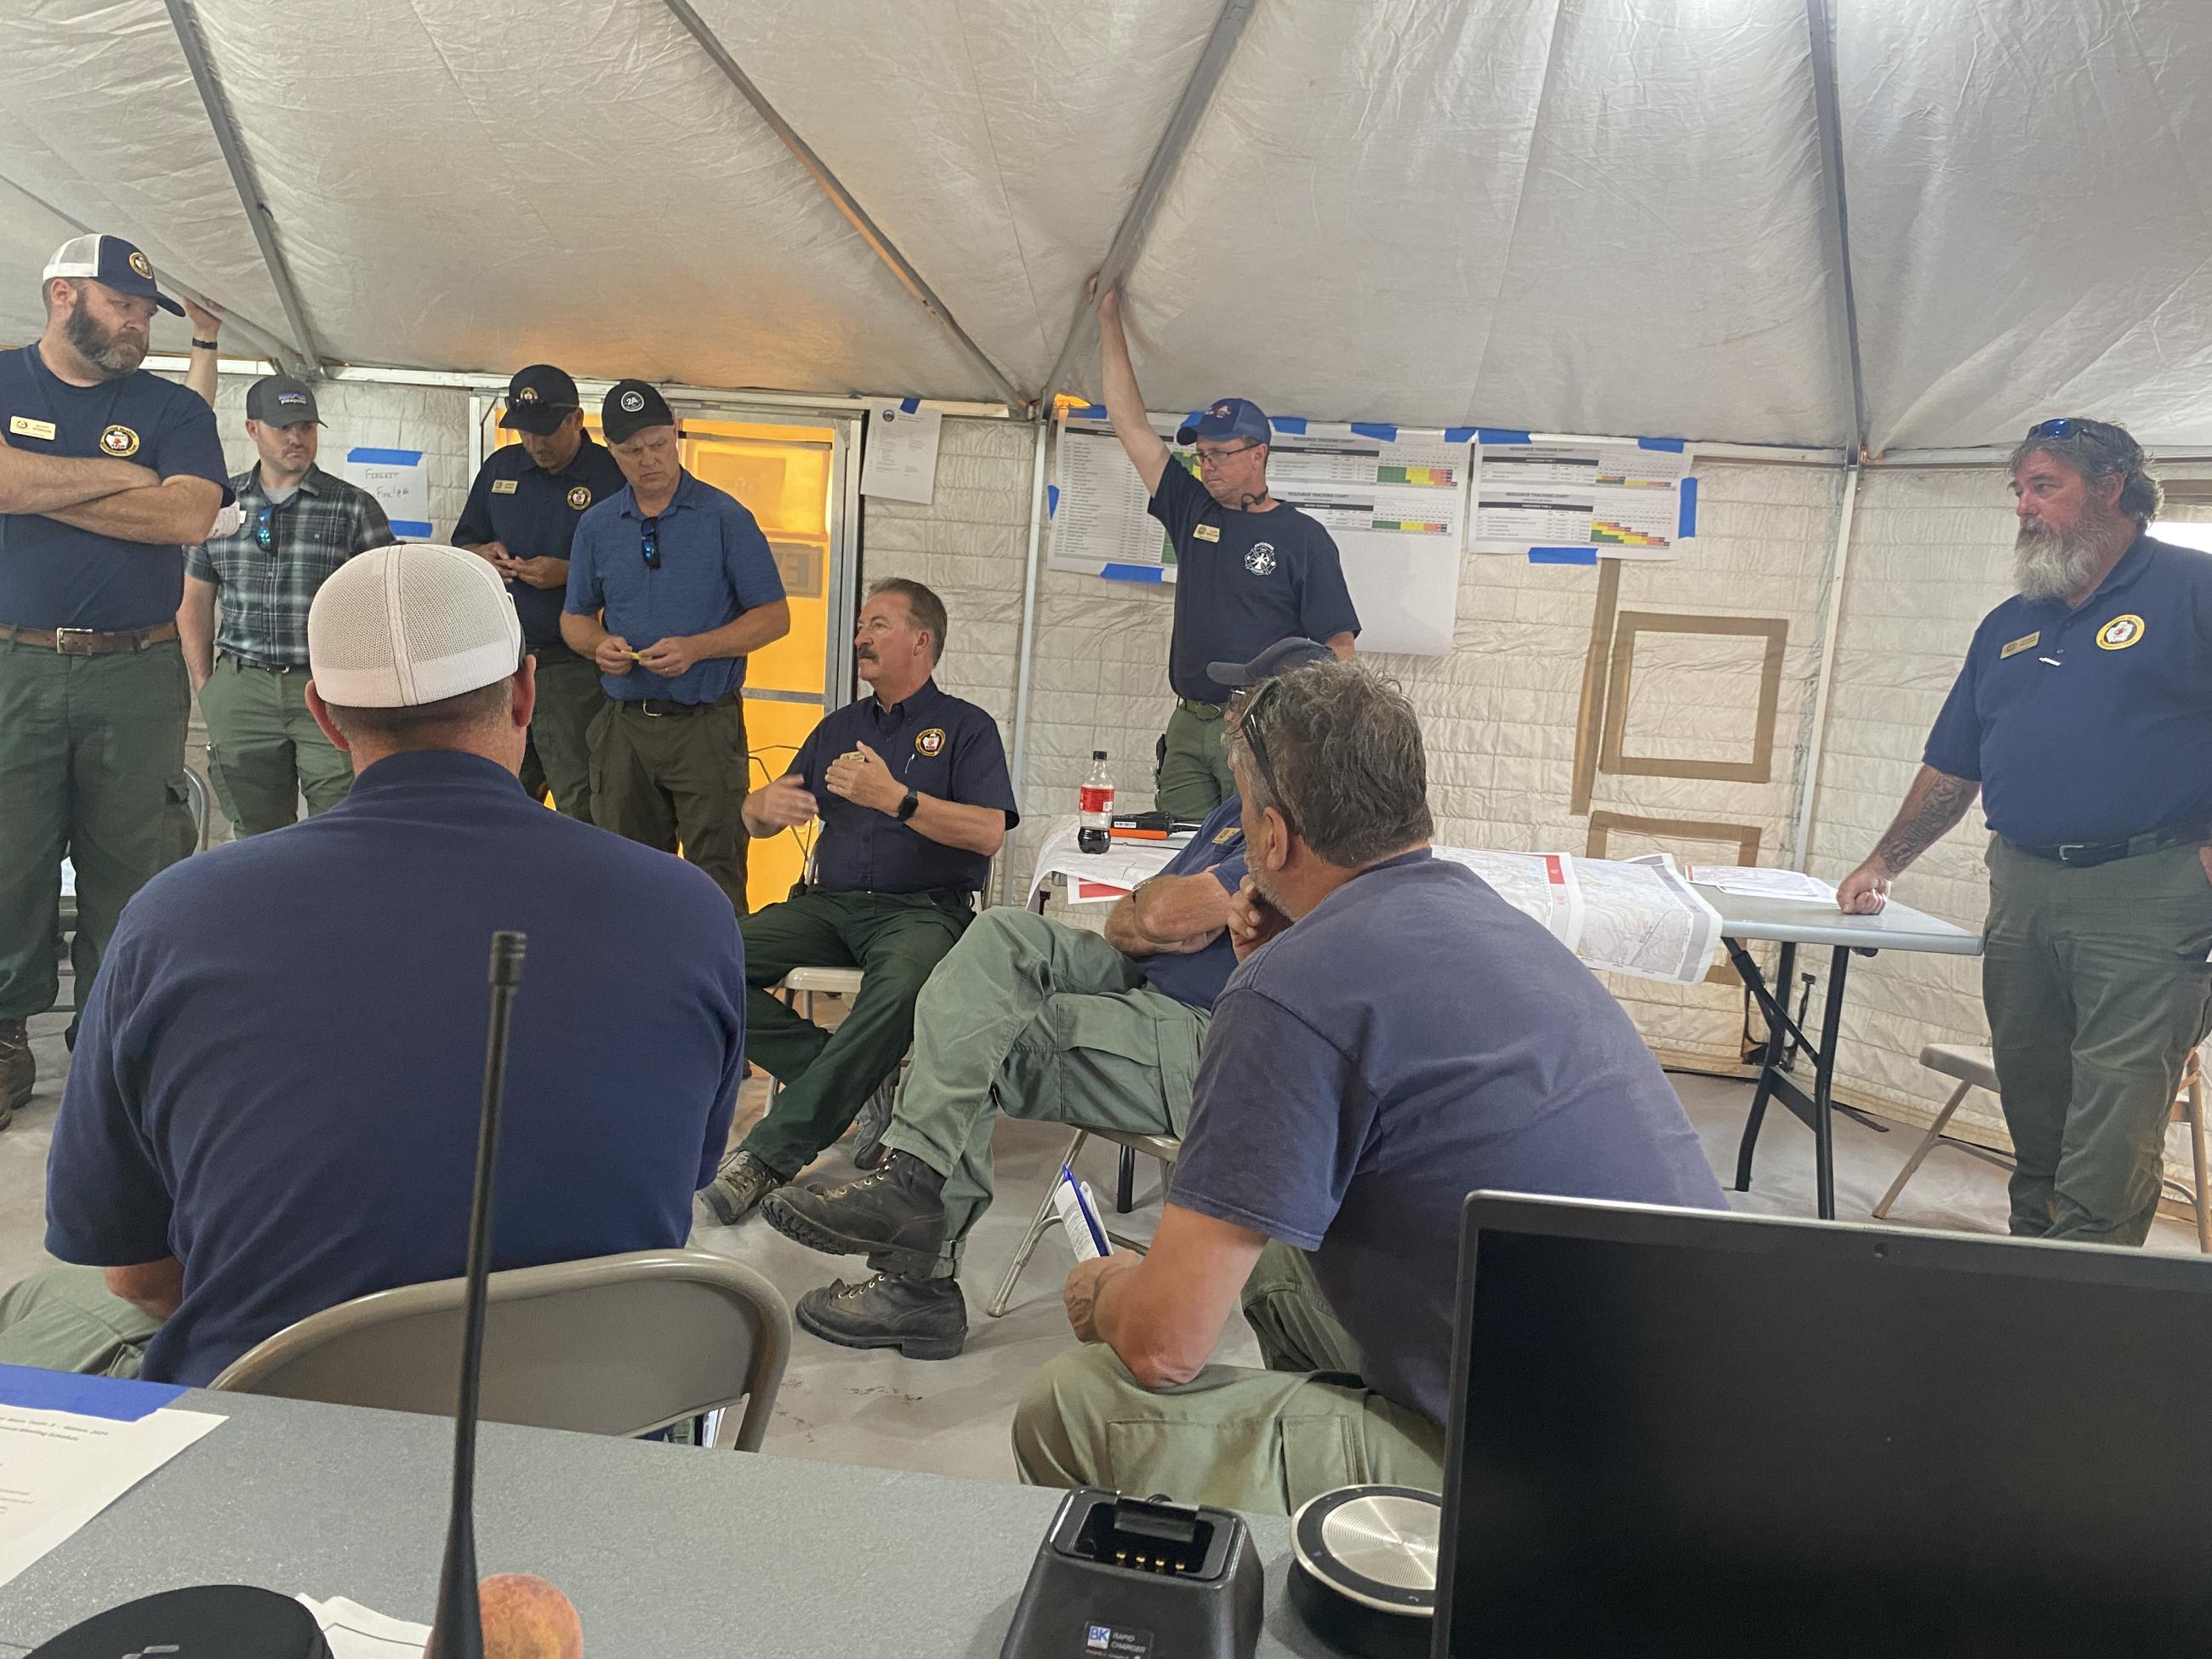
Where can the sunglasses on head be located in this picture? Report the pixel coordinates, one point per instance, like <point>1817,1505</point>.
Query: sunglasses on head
<point>2068,427</point>
<point>263,533</point>
<point>1246,705</point>
<point>648,542</point>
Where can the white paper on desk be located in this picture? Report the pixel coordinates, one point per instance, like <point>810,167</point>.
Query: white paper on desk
<point>1114,871</point>
<point>1757,881</point>
<point>354,1631</point>
<point>901,461</point>
<point>58,1469</point>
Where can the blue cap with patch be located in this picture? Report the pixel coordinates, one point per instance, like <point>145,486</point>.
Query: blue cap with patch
<point>113,261</point>
<point>1227,420</point>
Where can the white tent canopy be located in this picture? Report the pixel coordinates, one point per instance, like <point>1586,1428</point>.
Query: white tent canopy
<point>1608,215</point>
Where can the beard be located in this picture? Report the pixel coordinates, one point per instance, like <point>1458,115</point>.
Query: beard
<point>1266,882</point>
<point>2051,563</point>
<point>108,351</point>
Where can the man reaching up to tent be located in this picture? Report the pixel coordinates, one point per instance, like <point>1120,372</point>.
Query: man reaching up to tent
<point>1250,569</point>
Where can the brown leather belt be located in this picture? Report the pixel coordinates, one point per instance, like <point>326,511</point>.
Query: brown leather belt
<point>88,642</point>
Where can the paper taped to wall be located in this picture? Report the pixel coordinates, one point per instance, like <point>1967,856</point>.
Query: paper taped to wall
<point>1621,500</point>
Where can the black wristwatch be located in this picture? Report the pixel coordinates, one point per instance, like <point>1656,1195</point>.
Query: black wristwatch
<point>909,807</point>
<point>207,345</point>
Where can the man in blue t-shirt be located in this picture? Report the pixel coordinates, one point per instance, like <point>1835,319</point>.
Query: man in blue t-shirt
<point>274,1106</point>
<point>1250,569</point>
<point>1042,1021</point>
<point>1395,1036</point>
<point>671,584</point>
<point>105,472</point>
<point>2082,718</point>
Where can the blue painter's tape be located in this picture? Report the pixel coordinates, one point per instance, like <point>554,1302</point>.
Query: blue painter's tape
<point>1090,412</point>
<point>1378,430</point>
<point>1133,573</point>
<point>1688,526</point>
<point>1292,426</point>
<point>418,528</point>
<point>1499,434</point>
<point>1563,555</point>
<point>1051,500</point>
<point>1672,445</point>
<point>116,1399</point>
<point>1459,434</point>
<point>908,405</point>
<point>386,457</point>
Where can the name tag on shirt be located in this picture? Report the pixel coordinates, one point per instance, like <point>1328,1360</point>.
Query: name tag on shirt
<point>2025,641</point>
<point>1205,532</point>
<point>23,426</point>
<point>504,486</point>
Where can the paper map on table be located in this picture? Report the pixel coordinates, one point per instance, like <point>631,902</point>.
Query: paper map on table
<point>1538,885</point>
<point>1638,918</point>
<point>1621,500</point>
<point>1758,881</point>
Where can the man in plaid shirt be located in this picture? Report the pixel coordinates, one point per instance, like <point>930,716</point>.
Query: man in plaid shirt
<point>299,523</point>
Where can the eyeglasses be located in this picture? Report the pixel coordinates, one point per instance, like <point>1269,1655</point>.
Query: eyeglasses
<point>262,533</point>
<point>1215,457</point>
<point>1246,706</point>
<point>648,542</point>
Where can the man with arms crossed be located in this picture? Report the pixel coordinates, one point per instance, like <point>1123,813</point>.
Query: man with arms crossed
<point>1395,1036</point>
<point>2083,719</point>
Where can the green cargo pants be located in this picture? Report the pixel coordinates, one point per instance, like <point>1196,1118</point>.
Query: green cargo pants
<point>1044,1022</point>
<point>2097,988</point>
<point>91,755</point>
<point>1194,776</point>
<point>266,748</point>
<point>66,1319</point>
<point>895,939</point>
<point>558,755</point>
<point>1263,1440</point>
<point>676,779</point>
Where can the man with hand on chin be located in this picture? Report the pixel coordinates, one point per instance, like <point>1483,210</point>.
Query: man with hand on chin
<point>681,568</point>
<point>911,788</point>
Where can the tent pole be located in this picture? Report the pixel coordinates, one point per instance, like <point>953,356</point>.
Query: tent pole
<point>831,186</point>
<point>1830,121</point>
<point>1027,647</point>
<point>241,176</point>
<point>1808,782</point>
<point>1122,252</point>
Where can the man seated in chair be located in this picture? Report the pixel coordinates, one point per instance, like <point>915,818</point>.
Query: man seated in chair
<point>273,1104</point>
<point>1042,1021</point>
<point>1395,1036</point>
<point>911,788</point>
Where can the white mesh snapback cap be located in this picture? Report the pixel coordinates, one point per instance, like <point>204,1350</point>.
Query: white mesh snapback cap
<point>402,626</point>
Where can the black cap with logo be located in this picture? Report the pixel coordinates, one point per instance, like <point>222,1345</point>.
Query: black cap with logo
<point>632,406</point>
<point>538,400</point>
<point>280,400</point>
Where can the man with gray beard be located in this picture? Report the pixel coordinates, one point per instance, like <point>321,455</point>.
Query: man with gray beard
<point>2083,718</point>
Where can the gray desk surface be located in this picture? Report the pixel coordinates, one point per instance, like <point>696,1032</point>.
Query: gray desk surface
<point>1898,927</point>
<point>665,1550</point>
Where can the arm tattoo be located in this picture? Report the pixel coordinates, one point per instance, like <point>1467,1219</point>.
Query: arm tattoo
<point>1923,822</point>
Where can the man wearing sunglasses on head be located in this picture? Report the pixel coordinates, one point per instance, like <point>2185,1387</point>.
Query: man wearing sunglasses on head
<point>1250,569</point>
<point>671,585</point>
<point>298,525</point>
<point>2083,719</point>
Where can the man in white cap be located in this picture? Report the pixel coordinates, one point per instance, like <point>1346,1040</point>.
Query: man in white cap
<point>273,1107</point>
<point>105,472</point>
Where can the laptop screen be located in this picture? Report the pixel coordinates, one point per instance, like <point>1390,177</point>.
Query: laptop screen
<point>1677,1433</point>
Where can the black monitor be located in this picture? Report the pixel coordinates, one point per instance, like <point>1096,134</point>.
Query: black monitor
<point>1678,1433</point>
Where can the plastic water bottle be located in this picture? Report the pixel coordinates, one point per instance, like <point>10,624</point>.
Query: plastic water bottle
<point>1095,833</point>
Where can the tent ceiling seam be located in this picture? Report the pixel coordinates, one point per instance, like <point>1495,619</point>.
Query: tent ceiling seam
<point>1828,116</point>
<point>1175,138</point>
<point>831,185</point>
<point>258,217</point>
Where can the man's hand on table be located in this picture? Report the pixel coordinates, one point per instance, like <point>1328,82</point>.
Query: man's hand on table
<point>1865,890</point>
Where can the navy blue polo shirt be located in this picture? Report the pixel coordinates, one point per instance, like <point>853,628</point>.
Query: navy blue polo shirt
<point>278,1076</point>
<point>55,575</point>
<point>534,513</point>
<point>714,566</point>
<point>1196,977</point>
<point>2094,725</point>
<point>1411,1040</point>
<point>1244,581</point>
<point>937,744</point>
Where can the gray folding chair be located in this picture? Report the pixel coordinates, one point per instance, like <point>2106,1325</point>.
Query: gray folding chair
<point>618,1345</point>
<point>1165,1148</point>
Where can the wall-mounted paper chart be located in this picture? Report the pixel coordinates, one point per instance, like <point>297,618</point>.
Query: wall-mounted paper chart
<point>1396,509</point>
<point>1619,501</point>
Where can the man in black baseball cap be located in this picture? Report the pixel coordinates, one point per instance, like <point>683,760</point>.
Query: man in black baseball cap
<point>522,514</point>
<point>671,584</point>
<point>105,472</point>
<point>1250,569</point>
